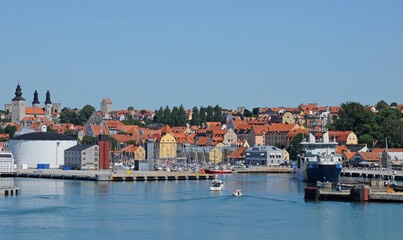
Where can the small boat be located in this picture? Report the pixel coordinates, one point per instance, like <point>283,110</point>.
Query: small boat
<point>217,171</point>
<point>216,185</point>
<point>237,193</point>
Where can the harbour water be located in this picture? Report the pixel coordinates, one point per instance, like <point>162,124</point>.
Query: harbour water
<point>273,207</point>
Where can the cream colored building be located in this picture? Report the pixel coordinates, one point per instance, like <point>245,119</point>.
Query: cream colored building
<point>168,147</point>
<point>215,156</point>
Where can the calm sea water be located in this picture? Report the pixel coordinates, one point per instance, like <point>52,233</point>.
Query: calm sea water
<point>272,208</point>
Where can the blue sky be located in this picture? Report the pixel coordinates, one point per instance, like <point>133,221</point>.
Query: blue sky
<point>148,54</point>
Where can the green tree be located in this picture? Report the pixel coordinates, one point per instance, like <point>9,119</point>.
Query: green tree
<point>132,142</point>
<point>247,113</point>
<point>130,108</point>
<point>210,114</point>
<point>366,139</point>
<point>295,145</point>
<point>355,117</point>
<point>88,140</point>
<point>85,113</point>
<point>217,114</point>
<point>159,115</point>
<point>181,120</point>
<point>51,130</point>
<point>10,130</point>
<point>70,133</point>
<point>394,104</point>
<point>255,111</point>
<point>113,142</point>
<point>381,105</point>
<point>202,115</point>
<point>195,117</point>
<point>392,130</point>
<point>173,119</point>
<point>167,115</point>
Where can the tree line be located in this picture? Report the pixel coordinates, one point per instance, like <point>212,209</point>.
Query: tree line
<point>76,117</point>
<point>177,117</point>
<point>371,128</point>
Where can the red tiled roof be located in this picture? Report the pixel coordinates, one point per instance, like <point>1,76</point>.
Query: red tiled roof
<point>107,100</point>
<point>166,129</point>
<point>31,111</point>
<point>203,141</point>
<point>238,153</point>
<point>380,150</point>
<point>369,156</point>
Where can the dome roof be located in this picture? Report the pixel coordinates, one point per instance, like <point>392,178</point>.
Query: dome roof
<point>44,136</point>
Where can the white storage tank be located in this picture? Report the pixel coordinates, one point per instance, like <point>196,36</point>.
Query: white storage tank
<point>41,148</point>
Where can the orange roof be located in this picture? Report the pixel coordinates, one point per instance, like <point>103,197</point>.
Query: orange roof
<point>115,125</point>
<point>238,153</point>
<point>380,150</point>
<point>203,141</point>
<point>122,138</point>
<point>31,111</point>
<point>107,100</point>
<point>341,149</point>
<point>180,137</point>
<point>166,129</point>
<point>179,129</point>
<point>97,129</point>
<point>369,156</point>
<point>131,148</point>
<point>5,136</point>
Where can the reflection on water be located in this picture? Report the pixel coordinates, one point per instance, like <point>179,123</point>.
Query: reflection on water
<point>272,207</point>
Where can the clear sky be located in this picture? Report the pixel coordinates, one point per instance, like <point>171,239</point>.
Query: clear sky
<point>233,53</point>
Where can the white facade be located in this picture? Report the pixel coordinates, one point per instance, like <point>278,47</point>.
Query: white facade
<point>33,152</point>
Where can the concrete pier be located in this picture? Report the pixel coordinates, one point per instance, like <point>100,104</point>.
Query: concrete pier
<point>9,191</point>
<point>109,175</point>
<point>372,173</point>
<point>273,169</point>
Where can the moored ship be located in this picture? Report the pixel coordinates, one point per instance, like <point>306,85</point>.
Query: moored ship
<point>318,160</point>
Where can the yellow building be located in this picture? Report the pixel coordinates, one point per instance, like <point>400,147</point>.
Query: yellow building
<point>140,153</point>
<point>167,147</point>
<point>215,156</point>
<point>286,155</point>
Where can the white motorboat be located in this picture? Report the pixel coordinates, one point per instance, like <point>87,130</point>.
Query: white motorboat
<point>216,185</point>
<point>237,192</point>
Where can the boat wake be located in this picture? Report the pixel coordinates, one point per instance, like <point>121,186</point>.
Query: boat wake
<point>231,196</point>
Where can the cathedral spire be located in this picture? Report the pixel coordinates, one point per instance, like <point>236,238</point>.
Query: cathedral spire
<point>48,98</point>
<point>18,93</point>
<point>36,101</point>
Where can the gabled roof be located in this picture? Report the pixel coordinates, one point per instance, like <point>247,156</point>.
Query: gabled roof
<point>107,100</point>
<point>31,111</point>
<point>239,153</point>
<point>166,129</point>
<point>380,150</point>
<point>369,156</point>
<point>203,141</point>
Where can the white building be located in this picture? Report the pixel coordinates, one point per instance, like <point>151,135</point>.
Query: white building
<point>41,148</point>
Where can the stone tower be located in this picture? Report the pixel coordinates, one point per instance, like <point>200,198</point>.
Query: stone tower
<point>17,106</point>
<point>35,102</point>
<point>48,107</point>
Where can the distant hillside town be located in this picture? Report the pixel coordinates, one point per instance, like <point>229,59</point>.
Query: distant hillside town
<point>207,133</point>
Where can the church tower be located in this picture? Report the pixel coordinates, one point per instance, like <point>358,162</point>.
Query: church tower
<point>48,107</point>
<point>36,102</point>
<point>17,106</point>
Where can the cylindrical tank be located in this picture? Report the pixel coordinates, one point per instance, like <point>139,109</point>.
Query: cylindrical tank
<point>41,148</point>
